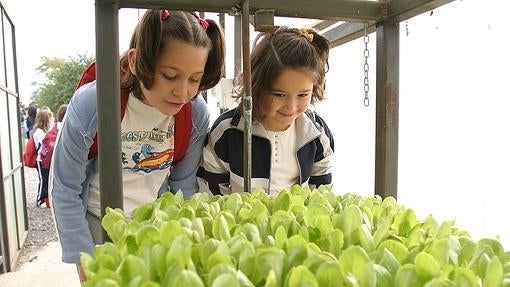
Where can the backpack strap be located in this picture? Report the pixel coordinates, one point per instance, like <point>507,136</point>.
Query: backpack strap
<point>88,75</point>
<point>182,118</point>
<point>182,132</point>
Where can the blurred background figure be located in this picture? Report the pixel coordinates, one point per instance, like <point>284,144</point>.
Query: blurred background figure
<point>43,123</point>
<point>30,120</point>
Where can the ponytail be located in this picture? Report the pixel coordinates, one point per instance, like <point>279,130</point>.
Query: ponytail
<point>214,67</point>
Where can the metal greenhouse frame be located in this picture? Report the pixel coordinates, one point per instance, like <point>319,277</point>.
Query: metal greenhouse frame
<point>13,212</point>
<point>361,16</point>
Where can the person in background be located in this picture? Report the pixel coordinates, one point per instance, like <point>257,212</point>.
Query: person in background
<point>30,120</point>
<point>48,143</point>
<point>291,143</point>
<point>23,121</point>
<point>43,123</point>
<point>173,55</point>
<point>60,115</point>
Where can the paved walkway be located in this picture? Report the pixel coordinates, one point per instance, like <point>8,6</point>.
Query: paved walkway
<point>41,265</point>
<point>45,270</point>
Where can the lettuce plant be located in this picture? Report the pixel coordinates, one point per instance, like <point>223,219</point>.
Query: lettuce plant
<point>301,237</point>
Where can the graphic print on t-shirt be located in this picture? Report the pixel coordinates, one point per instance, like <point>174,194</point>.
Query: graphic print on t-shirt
<point>147,151</point>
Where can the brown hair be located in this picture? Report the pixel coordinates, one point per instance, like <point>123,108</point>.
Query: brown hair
<point>43,119</point>
<point>154,31</point>
<point>61,112</point>
<point>282,49</point>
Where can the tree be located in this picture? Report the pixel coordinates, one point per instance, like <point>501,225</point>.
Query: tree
<point>61,77</point>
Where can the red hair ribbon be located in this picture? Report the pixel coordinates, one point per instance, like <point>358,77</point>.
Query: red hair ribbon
<point>165,14</point>
<point>204,23</point>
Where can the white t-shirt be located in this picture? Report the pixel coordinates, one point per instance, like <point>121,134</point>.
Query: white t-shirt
<point>147,139</point>
<point>284,164</point>
<point>38,135</point>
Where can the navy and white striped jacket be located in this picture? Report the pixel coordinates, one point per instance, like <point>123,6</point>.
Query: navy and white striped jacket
<point>221,170</point>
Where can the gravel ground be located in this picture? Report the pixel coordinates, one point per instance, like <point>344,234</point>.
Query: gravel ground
<point>41,227</point>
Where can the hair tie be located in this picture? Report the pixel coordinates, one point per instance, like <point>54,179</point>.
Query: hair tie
<point>165,14</point>
<point>204,23</point>
<point>304,33</point>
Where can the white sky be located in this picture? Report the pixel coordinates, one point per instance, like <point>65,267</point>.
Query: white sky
<point>454,158</point>
<point>56,28</point>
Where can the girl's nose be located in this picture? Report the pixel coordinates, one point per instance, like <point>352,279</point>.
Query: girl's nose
<point>291,103</point>
<point>180,89</point>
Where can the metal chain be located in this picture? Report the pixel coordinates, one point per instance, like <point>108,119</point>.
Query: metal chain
<point>366,53</point>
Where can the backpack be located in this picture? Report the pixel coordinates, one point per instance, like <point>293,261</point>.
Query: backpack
<point>30,153</point>
<point>182,118</point>
<point>47,145</point>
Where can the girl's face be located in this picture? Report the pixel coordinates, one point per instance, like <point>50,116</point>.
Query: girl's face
<point>289,97</point>
<point>177,76</point>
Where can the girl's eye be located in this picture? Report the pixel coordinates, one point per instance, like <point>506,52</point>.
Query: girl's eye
<point>168,77</point>
<point>304,95</point>
<point>279,95</point>
<point>195,80</point>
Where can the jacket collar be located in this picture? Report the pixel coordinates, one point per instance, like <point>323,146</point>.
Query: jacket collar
<point>306,127</point>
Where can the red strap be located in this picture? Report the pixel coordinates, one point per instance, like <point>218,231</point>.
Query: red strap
<point>182,119</point>
<point>88,75</point>
<point>182,132</point>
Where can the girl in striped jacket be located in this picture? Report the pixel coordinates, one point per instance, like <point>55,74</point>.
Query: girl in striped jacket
<point>291,144</point>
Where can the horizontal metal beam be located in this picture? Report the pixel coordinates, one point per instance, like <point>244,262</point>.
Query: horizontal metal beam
<point>398,11</point>
<point>221,6</point>
<point>347,32</point>
<point>340,10</point>
<point>323,24</point>
<point>401,10</point>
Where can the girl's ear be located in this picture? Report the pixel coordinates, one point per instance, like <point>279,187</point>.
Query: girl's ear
<point>131,55</point>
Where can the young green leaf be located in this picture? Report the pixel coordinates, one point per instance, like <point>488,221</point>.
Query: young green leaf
<point>220,256</point>
<point>282,201</point>
<point>464,277</point>
<point>271,280</point>
<point>267,259</point>
<point>209,248</point>
<point>494,273</point>
<point>396,248</point>
<point>439,282</point>
<point>187,278</point>
<point>329,274</point>
<point>281,237</point>
<point>281,218</point>
<point>350,220</point>
<point>179,252</point>
<point>147,234</point>
<point>407,276</point>
<point>132,267</point>
<point>111,217</point>
<point>105,282</point>
<point>220,228</point>
<point>226,279</point>
<point>383,276</point>
<point>143,212</point>
<point>354,258</point>
<point>300,276</point>
<point>426,265</point>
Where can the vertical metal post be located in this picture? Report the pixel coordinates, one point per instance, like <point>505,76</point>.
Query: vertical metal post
<point>222,24</point>
<point>20,135</point>
<point>237,45</point>
<point>5,253</point>
<point>108,105</point>
<point>221,17</point>
<point>387,94</point>
<point>247,93</point>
